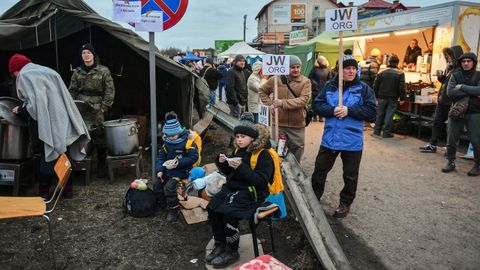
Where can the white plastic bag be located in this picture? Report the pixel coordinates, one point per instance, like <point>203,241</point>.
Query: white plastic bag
<point>214,183</point>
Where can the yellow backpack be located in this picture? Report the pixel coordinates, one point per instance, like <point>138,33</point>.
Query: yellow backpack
<point>277,185</point>
<point>195,137</point>
<point>192,137</point>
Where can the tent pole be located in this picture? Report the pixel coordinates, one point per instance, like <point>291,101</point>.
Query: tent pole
<point>153,100</point>
<point>56,41</point>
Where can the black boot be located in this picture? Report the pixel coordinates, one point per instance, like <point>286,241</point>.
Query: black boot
<point>218,249</point>
<point>449,167</point>
<point>225,259</point>
<point>475,171</point>
<point>173,214</point>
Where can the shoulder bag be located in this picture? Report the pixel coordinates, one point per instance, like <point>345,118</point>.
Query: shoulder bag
<point>308,110</point>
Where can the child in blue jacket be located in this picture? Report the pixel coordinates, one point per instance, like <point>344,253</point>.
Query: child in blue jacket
<point>173,162</point>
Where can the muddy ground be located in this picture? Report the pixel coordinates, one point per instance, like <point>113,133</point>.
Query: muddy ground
<point>92,232</point>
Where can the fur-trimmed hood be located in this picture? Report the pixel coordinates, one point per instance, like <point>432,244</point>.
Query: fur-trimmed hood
<point>263,140</point>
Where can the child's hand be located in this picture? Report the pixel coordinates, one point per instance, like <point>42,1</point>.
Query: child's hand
<point>234,163</point>
<point>222,158</point>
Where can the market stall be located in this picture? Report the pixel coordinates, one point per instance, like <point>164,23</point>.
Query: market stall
<point>444,25</point>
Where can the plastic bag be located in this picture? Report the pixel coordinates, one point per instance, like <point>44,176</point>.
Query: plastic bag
<point>214,183</point>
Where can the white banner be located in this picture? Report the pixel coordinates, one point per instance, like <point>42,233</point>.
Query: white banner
<point>151,22</point>
<point>341,19</point>
<point>127,11</point>
<point>263,115</point>
<point>275,64</point>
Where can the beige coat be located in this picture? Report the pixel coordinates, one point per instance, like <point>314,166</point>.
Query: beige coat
<point>293,112</point>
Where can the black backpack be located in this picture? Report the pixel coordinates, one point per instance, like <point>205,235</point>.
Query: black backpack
<point>140,203</point>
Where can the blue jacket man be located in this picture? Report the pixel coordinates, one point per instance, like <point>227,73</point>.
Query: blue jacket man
<point>343,131</point>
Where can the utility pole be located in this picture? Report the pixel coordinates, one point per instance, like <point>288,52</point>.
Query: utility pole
<point>244,26</point>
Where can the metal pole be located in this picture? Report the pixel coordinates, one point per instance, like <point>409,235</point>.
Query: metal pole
<point>153,100</point>
<point>340,71</point>
<point>56,42</point>
<point>244,26</point>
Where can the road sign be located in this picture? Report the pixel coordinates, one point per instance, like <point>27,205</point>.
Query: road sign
<point>275,64</point>
<point>151,22</point>
<point>341,19</point>
<point>173,10</point>
<point>127,11</point>
<point>263,115</point>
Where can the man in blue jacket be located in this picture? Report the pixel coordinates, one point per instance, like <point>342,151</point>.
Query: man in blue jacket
<point>343,131</point>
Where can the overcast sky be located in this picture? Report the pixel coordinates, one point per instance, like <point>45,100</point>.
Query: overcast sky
<point>208,20</point>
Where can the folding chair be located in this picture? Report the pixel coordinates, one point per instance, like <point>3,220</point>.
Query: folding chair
<point>255,221</point>
<point>22,207</point>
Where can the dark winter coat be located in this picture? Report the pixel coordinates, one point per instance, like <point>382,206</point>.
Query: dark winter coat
<point>223,70</point>
<point>235,199</point>
<point>236,86</point>
<point>470,81</point>
<point>390,84</point>
<point>319,77</point>
<point>186,159</point>
<point>347,133</point>
<point>211,76</point>
<point>368,72</point>
<point>455,52</point>
<point>411,55</point>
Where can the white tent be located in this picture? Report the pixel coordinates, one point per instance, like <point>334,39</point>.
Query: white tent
<point>240,48</point>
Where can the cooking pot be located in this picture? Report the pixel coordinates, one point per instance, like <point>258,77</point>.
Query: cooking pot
<point>14,141</point>
<point>121,136</point>
<point>14,137</point>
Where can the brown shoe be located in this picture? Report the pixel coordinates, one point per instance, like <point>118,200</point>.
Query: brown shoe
<point>341,211</point>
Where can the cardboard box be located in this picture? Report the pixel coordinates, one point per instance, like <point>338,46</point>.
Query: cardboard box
<point>422,99</point>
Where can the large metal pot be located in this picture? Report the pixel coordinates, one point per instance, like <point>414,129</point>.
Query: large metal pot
<point>121,136</point>
<point>14,137</point>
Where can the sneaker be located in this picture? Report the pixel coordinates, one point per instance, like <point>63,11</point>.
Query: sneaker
<point>475,171</point>
<point>218,249</point>
<point>376,133</point>
<point>387,135</point>
<point>225,259</point>
<point>341,211</point>
<point>449,167</point>
<point>173,214</point>
<point>428,148</point>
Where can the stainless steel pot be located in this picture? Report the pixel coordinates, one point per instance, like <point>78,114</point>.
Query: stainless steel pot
<point>14,141</point>
<point>121,136</point>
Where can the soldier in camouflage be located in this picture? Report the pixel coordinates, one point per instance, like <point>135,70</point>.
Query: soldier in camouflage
<point>93,84</point>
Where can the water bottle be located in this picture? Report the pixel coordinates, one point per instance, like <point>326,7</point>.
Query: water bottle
<point>282,143</point>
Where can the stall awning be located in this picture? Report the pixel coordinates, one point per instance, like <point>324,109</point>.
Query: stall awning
<point>385,32</point>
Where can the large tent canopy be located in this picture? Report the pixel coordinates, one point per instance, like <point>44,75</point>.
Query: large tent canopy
<point>240,48</point>
<point>50,32</point>
<point>325,44</point>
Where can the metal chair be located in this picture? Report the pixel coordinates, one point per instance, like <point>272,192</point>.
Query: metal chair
<point>24,207</point>
<point>255,221</point>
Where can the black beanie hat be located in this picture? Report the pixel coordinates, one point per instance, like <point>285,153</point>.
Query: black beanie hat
<point>246,126</point>
<point>239,57</point>
<point>89,47</point>
<point>349,61</point>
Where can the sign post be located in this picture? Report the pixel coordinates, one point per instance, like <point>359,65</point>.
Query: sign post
<point>341,19</point>
<point>275,65</point>
<point>153,20</point>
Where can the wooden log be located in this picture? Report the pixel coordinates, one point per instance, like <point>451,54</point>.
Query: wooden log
<point>294,175</point>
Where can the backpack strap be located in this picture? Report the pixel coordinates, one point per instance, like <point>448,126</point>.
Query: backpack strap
<point>254,159</point>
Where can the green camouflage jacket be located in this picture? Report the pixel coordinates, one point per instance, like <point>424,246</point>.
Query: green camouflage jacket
<point>95,87</point>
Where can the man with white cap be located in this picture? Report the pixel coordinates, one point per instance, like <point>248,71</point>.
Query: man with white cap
<point>291,105</point>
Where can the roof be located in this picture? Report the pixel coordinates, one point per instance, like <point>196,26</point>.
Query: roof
<point>24,17</point>
<point>240,48</point>
<point>262,10</point>
<point>380,4</point>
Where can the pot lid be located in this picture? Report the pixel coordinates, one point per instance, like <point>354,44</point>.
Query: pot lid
<point>6,113</point>
<point>10,102</point>
<point>119,122</point>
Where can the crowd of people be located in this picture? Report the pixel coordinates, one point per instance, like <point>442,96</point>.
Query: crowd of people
<point>369,95</point>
